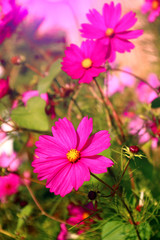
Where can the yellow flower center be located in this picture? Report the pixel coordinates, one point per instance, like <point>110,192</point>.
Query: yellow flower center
<point>109,32</point>
<point>85,215</point>
<point>73,155</point>
<point>87,63</point>
<point>155,4</point>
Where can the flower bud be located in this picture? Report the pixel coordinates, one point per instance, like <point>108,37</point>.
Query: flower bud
<point>92,195</point>
<point>134,149</point>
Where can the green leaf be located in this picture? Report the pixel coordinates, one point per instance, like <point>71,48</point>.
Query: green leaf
<point>25,212</point>
<point>122,231</point>
<point>115,230</point>
<point>45,83</point>
<point>32,116</point>
<point>155,103</point>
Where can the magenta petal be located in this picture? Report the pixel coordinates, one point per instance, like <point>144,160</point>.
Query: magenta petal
<point>96,19</point>
<point>65,133</point>
<point>87,78</point>
<point>51,146</point>
<point>97,143</point>
<point>83,131</point>
<point>126,22</point>
<point>122,45</point>
<point>111,14</point>
<point>97,164</point>
<point>91,31</point>
<point>61,182</point>
<point>79,173</point>
<point>129,34</point>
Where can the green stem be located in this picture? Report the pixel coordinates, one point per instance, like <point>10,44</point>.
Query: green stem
<point>109,106</point>
<point>7,233</point>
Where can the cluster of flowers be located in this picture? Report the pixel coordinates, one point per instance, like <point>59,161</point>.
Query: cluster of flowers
<point>106,34</point>
<point>153,8</point>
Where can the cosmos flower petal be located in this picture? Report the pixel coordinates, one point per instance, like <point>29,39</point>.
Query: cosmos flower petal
<point>83,131</point>
<point>61,182</point>
<point>126,22</point>
<point>111,14</point>
<point>49,143</point>
<point>80,174</point>
<point>122,45</point>
<point>65,133</point>
<point>97,143</point>
<point>96,19</point>
<point>91,31</point>
<point>97,164</point>
<point>130,34</point>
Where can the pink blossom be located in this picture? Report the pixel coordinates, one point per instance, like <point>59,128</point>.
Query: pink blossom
<point>145,93</point>
<point>26,177</point>
<point>84,63</point>
<point>145,130</point>
<point>67,158</point>
<point>10,18</point>
<point>153,8</point>
<point>4,87</point>
<point>110,29</point>
<point>9,185</point>
<point>63,232</point>
<point>33,93</point>
<point>118,83</point>
<point>11,162</point>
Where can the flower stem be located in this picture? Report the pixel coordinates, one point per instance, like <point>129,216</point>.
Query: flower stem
<point>122,200</point>
<point>7,233</point>
<point>134,75</point>
<point>109,106</point>
<point>40,207</point>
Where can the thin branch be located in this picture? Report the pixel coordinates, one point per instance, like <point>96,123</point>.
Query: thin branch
<point>43,212</point>
<point>7,233</point>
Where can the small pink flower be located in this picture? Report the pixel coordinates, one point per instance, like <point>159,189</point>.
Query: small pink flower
<point>26,177</point>
<point>4,87</point>
<point>153,7</point>
<point>144,92</point>
<point>9,185</point>
<point>63,232</point>
<point>67,158</point>
<point>118,83</point>
<point>84,63</point>
<point>33,93</point>
<point>110,29</point>
<point>10,17</point>
<point>145,130</point>
<point>11,162</point>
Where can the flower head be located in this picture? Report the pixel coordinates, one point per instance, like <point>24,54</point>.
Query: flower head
<point>145,93</point>
<point>110,29</point>
<point>4,87</point>
<point>84,63</point>
<point>67,158</point>
<point>10,18</point>
<point>11,162</point>
<point>33,93</point>
<point>9,185</point>
<point>153,7</point>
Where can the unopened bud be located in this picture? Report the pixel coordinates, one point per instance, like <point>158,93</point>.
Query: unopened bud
<point>134,149</point>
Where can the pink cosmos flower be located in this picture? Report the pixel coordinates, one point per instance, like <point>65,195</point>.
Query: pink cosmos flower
<point>153,7</point>
<point>110,29</point>
<point>145,130</point>
<point>33,93</point>
<point>9,185</point>
<point>10,18</point>
<point>67,158</point>
<point>84,63</point>
<point>144,92</point>
<point>11,162</point>
<point>63,232</point>
<point>4,87</point>
<point>116,83</point>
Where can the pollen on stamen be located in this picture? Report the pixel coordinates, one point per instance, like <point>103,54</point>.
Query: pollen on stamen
<point>109,32</point>
<point>73,155</point>
<point>87,63</point>
<point>155,5</point>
